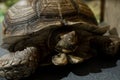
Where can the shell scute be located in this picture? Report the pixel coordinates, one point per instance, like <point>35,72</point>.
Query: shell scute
<point>28,16</point>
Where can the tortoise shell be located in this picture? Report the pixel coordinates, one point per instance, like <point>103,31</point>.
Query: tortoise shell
<point>28,16</point>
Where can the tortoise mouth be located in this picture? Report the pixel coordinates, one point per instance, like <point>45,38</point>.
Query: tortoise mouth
<point>66,50</point>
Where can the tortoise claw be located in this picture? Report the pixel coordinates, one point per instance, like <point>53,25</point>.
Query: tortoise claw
<point>59,59</point>
<point>19,64</point>
<point>75,59</point>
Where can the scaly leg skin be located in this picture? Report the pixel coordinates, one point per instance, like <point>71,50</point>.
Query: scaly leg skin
<point>19,64</point>
<point>114,46</point>
<point>106,45</point>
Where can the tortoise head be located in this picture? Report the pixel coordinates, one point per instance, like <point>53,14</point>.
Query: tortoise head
<point>67,42</point>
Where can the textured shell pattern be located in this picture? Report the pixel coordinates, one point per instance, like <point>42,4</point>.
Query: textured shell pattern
<point>28,16</point>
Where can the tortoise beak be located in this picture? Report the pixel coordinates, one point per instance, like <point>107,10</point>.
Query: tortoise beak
<point>66,51</point>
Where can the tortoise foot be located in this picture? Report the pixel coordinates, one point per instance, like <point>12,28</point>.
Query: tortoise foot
<point>19,64</point>
<point>114,46</point>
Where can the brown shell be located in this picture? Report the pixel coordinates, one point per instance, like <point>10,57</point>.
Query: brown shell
<point>28,16</point>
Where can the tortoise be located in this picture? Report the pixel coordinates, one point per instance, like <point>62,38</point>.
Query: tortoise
<point>50,32</point>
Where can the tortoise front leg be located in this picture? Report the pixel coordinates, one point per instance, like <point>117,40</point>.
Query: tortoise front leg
<point>18,64</point>
<point>63,59</point>
<point>60,59</point>
<point>106,45</point>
